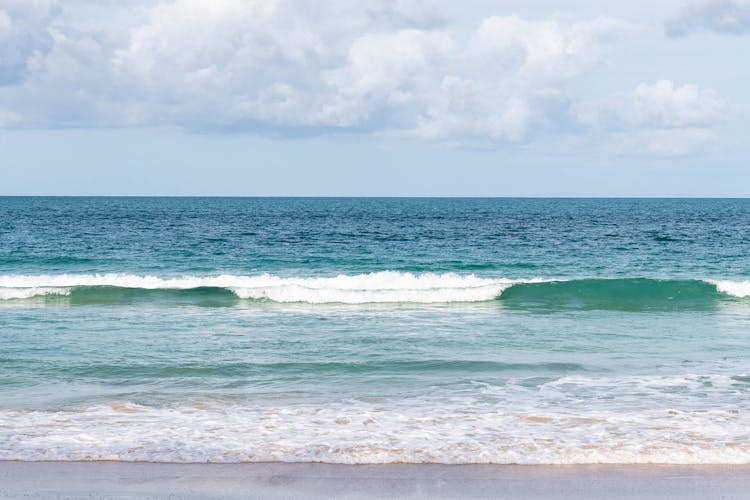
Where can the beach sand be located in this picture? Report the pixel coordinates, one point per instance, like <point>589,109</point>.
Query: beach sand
<point>305,480</point>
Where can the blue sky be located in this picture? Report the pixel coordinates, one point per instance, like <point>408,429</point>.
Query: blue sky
<point>395,98</point>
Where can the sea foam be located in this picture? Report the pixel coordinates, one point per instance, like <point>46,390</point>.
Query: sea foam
<point>735,288</point>
<point>10,293</point>
<point>412,431</point>
<point>379,287</point>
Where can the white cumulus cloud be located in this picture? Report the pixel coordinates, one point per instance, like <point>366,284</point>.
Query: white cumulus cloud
<point>302,67</point>
<point>664,105</point>
<point>508,77</point>
<point>657,119</point>
<point>291,67</point>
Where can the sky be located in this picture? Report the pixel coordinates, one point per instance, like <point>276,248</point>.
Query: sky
<point>378,98</point>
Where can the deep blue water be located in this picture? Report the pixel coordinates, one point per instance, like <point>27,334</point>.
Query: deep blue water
<point>321,236</point>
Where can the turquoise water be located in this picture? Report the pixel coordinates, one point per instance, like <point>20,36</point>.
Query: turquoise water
<point>375,330</point>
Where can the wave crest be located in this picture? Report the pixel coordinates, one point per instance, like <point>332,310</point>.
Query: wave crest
<point>380,287</point>
<point>11,293</point>
<point>738,289</point>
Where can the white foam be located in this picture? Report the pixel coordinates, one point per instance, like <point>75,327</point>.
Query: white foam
<point>386,286</point>
<point>379,287</point>
<point>735,288</point>
<point>413,431</point>
<point>9,293</point>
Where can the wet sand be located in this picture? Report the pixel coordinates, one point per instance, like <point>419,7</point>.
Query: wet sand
<point>304,480</point>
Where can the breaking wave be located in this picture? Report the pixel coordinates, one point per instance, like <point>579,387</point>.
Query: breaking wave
<point>379,287</point>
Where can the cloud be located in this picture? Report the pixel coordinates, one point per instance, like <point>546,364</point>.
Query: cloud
<point>720,16</point>
<point>287,68</point>
<point>24,36</point>
<point>283,67</point>
<point>244,64</point>
<point>657,119</point>
<point>664,105</point>
<point>669,120</point>
<point>505,82</point>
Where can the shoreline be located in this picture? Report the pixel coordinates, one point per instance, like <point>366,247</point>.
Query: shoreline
<point>46,480</point>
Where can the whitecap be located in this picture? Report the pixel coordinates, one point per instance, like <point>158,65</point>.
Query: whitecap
<point>384,286</point>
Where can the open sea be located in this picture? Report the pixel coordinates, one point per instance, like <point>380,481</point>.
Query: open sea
<point>355,330</point>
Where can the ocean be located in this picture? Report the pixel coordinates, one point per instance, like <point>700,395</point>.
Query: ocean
<point>366,330</point>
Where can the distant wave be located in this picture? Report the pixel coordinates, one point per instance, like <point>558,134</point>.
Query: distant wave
<point>379,287</point>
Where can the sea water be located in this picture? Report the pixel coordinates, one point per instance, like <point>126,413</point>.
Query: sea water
<point>375,330</point>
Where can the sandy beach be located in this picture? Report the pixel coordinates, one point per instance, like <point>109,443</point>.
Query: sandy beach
<point>304,480</point>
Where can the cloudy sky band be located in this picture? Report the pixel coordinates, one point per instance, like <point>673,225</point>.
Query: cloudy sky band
<point>576,81</point>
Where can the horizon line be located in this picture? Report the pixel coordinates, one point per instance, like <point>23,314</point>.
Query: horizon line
<point>527,197</point>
